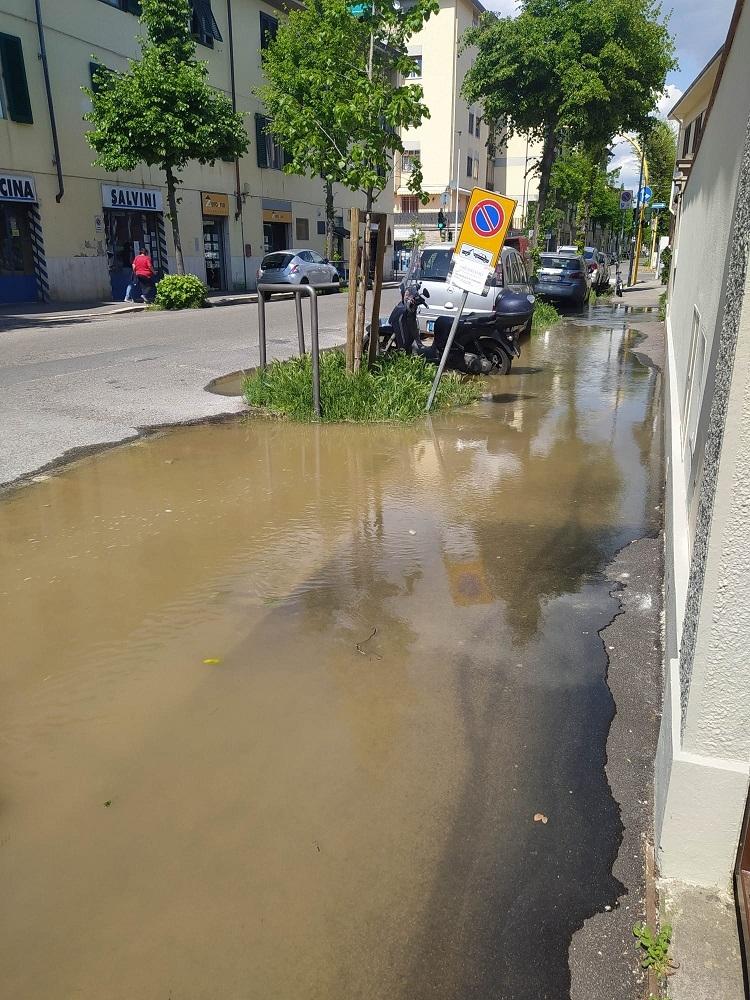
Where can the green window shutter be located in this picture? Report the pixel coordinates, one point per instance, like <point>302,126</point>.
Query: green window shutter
<point>14,75</point>
<point>260,140</point>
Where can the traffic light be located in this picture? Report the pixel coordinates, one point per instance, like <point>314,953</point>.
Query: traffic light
<point>441,220</point>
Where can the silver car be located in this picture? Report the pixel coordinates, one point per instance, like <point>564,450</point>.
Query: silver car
<point>430,268</point>
<point>296,267</point>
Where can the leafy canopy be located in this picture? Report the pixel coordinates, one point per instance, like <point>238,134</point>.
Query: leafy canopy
<point>333,116</point>
<point>593,67</point>
<point>162,111</point>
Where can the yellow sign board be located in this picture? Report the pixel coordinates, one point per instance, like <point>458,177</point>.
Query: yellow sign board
<point>487,221</point>
<point>488,218</point>
<point>215,204</point>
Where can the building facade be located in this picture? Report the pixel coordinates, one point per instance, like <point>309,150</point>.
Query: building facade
<point>703,760</point>
<point>69,230</point>
<point>452,143</point>
<point>516,174</point>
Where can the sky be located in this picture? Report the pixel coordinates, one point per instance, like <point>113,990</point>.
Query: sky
<point>699,27</point>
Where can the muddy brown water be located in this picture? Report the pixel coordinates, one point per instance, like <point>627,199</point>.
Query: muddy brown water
<point>324,812</point>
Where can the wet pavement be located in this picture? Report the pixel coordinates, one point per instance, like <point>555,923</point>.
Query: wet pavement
<point>322,712</point>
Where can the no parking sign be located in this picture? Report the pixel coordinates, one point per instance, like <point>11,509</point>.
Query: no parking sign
<point>488,218</point>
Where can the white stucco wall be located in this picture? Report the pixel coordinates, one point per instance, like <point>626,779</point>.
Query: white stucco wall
<point>704,749</point>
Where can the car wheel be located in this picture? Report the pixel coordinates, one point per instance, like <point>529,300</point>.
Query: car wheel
<point>497,357</point>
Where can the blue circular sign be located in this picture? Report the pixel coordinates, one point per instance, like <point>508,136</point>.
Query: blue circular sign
<point>487,218</point>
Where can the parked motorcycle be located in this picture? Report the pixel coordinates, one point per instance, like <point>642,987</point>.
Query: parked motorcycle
<point>482,346</point>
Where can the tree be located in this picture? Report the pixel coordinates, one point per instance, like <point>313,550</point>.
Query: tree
<point>661,151</point>
<point>578,179</point>
<point>162,111</point>
<point>337,106</point>
<point>582,68</point>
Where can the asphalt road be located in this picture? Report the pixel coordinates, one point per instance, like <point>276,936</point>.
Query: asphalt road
<point>70,385</point>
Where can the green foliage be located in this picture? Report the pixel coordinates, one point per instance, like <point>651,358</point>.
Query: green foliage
<point>335,104</point>
<point>162,111</point>
<point>661,151</point>
<point>655,949</point>
<point>663,306</point>
<point>395,389</point>
<point>181,291</point>
<point>586,68</point>
<point>545,316</point>
<point>666,264</point>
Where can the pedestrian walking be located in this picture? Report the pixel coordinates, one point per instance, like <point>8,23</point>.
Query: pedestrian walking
<point>133,288</point>
<point>143,269</point>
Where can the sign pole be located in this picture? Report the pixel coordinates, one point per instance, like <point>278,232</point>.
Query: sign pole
<point>446,352</point>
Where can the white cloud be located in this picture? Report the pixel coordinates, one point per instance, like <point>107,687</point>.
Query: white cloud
<point>503,7</point>
<point>624,158</point>
<point>668,99</point>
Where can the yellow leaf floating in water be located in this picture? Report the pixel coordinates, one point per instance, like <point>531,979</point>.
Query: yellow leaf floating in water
<point>211,660</point>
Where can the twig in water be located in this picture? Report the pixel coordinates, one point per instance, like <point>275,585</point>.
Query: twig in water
<point>360,645</point>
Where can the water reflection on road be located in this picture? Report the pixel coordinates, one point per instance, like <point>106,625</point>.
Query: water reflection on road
<point>324,812</point>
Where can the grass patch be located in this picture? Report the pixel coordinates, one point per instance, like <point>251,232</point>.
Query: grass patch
<point>545,316</point>
<point>663,306</point>
<point>394,390</point>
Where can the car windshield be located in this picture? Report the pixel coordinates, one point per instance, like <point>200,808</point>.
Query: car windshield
<point>276,261</point>
<point>589,254</point>
<point>565,263</point>
<point>433,265</point>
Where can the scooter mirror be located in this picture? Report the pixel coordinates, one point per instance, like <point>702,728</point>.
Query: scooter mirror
<point>425,293</point>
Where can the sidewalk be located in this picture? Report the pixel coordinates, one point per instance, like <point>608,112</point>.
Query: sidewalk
<point>40,313</point>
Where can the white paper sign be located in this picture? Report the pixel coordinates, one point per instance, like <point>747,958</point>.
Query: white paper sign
<point>471,268</point>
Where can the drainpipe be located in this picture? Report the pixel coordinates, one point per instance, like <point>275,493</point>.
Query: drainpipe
<point>50,105</point>
<point>238,187</point>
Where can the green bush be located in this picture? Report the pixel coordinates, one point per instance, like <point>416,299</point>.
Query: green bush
<point>545,316</point>
<point>181,291</point>
<point>394,389</point>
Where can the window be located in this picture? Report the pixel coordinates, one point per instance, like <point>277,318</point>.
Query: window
<point>478,130</point>
<point>409,159</point>
<point>14,91</point>
<point>270,153</point>
<point>315,257</point>
<point>416,73</point>
<point>686,141</point>
<point>268,28</point>
<point>469,166</point>
<point>98,74</point>
<point>130,6</point>
<point>321,228</point>
<point>409,204</point>
<point>203,24</point>
<point>306,256</point>
<point>475,172</point>
<point>302,229</point>
<point>471,123</point>
<point>697,130</point>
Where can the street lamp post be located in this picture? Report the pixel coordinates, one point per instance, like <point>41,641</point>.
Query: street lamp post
<point>455,207</point>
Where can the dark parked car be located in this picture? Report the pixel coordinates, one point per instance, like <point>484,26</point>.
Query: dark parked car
<point>563,278</point>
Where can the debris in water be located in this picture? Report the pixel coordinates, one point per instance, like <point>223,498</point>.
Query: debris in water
<point>316,845</point>
<point>108,803</point>
<point>211,660</point>
<point>361,644</point>
<point>540,818</point>
<point>412,531</point>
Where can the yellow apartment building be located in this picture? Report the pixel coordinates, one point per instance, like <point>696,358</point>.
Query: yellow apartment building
<point>452,143</point>
<point>516,173</point>
<point>68,230</point>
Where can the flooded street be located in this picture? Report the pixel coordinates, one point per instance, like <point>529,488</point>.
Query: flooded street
<point>281,702</point>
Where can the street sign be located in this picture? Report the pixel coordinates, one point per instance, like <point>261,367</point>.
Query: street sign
<point>658,205</point>
<point>626,199</point>
<point>645,195</point>
<point>488,218</point>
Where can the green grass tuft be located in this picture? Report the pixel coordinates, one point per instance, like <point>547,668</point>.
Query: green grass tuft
<point>394,390</point>
<point>545,316</point>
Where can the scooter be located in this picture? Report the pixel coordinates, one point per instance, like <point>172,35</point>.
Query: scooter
<point>480,347</point>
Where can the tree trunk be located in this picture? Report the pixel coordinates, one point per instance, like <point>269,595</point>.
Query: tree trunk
<point>330,220</point>
<point>545,170</point>
<point>362,280</point>
<point>351,311</point>
<point>172,202</point>
<point>377,285</point>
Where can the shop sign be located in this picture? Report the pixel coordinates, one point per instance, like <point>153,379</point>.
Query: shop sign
<point>272,215</point>
<point>17,187</point>
<point>215,204</point>
<point>134,199</point>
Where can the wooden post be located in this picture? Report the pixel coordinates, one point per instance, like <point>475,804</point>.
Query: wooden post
<point>351,311</point>
<point>377,287</point>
